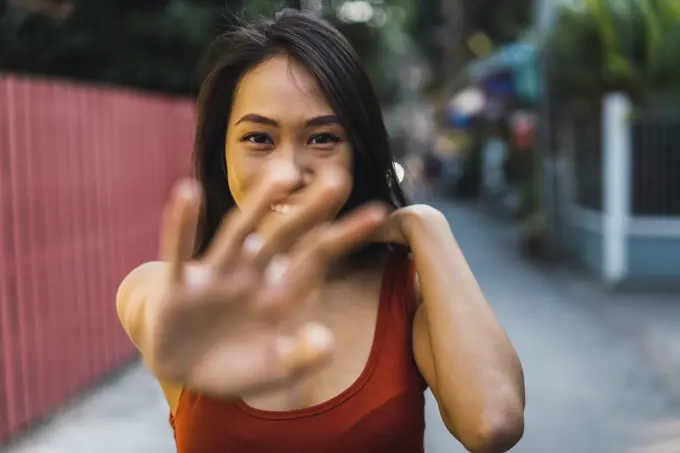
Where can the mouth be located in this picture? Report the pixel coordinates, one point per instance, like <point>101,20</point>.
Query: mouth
<point>285,205</point>
<point>281,208</point>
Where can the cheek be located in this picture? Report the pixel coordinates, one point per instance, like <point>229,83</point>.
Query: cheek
<point>240,175</point>
<point>346,160</point>
<point>341,157</point>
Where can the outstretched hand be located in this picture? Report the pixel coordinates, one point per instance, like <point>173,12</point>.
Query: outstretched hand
<point>219,326</point>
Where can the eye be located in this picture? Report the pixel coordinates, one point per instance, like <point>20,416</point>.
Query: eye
<point>324,139</point>
<point>258,139</point>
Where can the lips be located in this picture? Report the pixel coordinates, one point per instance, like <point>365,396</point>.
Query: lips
<point>285,205</point>
<point>281,208</point>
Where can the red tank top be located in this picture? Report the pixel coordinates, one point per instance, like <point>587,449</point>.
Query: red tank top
<point>381,412</point>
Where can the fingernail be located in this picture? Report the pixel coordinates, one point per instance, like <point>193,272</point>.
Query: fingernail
<point>319,336</point>
<point>276,270</point>
<point>252,244</point>
<point>187,190</point>
<point>284,169</point>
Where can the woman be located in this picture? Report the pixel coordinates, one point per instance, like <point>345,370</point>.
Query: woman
<point>308,308</point>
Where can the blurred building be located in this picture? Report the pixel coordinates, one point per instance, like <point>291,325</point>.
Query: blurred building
<point>606,165</point>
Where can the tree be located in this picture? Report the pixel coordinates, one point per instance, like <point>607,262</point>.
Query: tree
<point>155,44</point>
<point>501,20</point>
<point>150,44</point>
<point>617,45</point>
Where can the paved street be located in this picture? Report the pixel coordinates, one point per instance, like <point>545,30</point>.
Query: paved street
<point>591,386</point>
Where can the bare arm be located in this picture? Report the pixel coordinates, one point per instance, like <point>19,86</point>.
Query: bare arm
<point>459,345</point>
<point>135,291</point>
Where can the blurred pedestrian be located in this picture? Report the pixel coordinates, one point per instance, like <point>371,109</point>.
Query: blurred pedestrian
<point>309,306</point>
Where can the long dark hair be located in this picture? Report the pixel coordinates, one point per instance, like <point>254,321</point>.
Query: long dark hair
<point>330,58</point>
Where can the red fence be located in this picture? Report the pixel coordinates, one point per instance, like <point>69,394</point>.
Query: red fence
<point>84,173</point>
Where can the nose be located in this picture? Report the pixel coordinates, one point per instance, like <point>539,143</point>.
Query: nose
<point>304,178</point>
<point>302,165</point>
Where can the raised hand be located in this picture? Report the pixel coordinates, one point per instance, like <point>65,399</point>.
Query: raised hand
<point>218,326</point>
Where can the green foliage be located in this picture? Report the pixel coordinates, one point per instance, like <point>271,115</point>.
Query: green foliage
<point>149,44</point>
<point>503,21</point>
<point>499,21</point>
<point>601,46</point>
<point>156,44</point>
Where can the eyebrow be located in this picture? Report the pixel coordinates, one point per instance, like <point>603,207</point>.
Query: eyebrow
<point>323,120</point>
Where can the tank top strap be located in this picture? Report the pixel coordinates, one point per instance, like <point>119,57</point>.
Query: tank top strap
<point>399,284</point>
<point>399,299</point>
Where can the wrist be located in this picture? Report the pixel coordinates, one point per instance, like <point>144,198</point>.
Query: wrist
<point>420,218</point>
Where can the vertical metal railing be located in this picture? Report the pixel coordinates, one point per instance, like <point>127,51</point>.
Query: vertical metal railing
<point>656,162</point>
<point>84,173</point>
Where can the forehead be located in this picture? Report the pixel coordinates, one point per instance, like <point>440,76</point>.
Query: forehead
<point>280,85</point>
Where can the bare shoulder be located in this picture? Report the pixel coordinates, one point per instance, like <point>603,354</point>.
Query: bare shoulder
<point>140,275</point>
<point>138,278</point>
<point>133,291</point>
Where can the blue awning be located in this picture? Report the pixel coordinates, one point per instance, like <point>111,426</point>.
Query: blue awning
<point>521,59</point>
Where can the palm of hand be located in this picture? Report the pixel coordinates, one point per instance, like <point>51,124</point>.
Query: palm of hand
<point>219,325</point>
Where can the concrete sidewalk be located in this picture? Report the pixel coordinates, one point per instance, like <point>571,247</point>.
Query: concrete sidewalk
<point>592,386</point>
<point>127,414</point>
<point>652,319</point>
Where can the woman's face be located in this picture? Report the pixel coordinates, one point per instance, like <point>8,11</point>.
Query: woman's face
<point>279,112</point>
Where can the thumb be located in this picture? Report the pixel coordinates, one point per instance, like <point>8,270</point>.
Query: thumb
<point>310,347</point>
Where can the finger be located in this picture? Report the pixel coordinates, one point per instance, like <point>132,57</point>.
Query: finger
<point>310,347</point>
<point>307,266</point>
<point>278,177</point>
<point>323,199</point>
<point>341,237</point>
<point>179,228</point>
<point>257,362</point>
